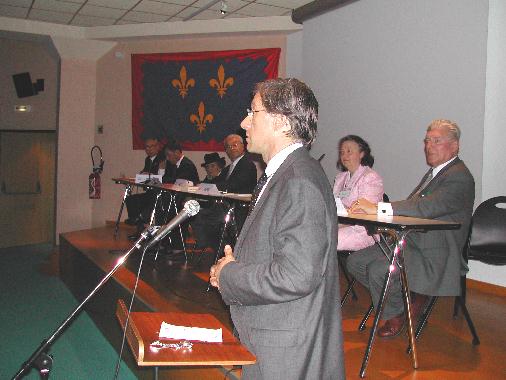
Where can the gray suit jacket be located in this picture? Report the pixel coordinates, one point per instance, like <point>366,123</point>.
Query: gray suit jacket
<point>283,288</point>
<point>434,260</point>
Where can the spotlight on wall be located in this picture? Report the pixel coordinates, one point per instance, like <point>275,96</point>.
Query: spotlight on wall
<point>224,7</point>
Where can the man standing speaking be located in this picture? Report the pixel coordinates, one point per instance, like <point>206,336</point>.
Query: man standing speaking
<point>282,280</point>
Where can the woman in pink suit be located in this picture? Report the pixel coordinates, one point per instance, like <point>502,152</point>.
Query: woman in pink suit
<point>356,180</point>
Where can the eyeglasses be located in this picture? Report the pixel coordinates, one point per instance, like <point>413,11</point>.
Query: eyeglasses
<point>436,140</point>
<point>252,112</point>
<point>232,145</point>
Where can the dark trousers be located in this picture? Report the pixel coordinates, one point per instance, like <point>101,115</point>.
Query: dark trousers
<point>138,205</point>
<point>208,224</point>
<point>369,266</point>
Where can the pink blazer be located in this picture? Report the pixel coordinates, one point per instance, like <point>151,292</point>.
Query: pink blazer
<point>365,183</point>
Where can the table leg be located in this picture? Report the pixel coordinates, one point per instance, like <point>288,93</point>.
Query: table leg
<point>181,235</point>
<point>396,258</point>
<point>127,192</point>
<point>153,216</point>
<point>381,303</point>
<point>407,306</point>
<point>229,218</point>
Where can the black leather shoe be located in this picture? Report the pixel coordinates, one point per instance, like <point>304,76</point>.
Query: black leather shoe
<point>392,327</point>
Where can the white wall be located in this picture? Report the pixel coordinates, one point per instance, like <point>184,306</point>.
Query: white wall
<point>494,154</point>
<point>294,55</point>
<point>385,69</point>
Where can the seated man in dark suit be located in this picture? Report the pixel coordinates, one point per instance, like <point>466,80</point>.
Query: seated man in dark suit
<point>241,175</point>
<point>238,177</point>
<point>434,261</point>
<point>178,166</point>
<point>137,202</point>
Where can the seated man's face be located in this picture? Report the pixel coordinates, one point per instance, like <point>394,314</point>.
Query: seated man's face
<point>173,156</point>
<point>234,147</point>
<point>151,147</point>
<point>213,170</point>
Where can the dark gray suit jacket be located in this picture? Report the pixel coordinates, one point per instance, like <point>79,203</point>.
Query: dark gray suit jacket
<point>242,180</point>
<point>434,260</point>
<point>283,288</point>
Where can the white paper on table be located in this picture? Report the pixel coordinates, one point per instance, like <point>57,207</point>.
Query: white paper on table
<point>208,188</point>
<point>183,182</point>
<point>341,210</point>
<point>144,178</point>
<point>169,331</point>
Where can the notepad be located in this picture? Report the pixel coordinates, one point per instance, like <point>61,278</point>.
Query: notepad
<point>341,210</point>
<point>168,331</point>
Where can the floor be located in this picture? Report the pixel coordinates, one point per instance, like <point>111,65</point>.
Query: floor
<point>444,349</point>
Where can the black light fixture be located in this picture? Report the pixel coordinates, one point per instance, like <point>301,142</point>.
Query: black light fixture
<point>24,85</point>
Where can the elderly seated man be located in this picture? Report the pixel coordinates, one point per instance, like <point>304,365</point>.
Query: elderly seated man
<point>238,177</point>
<point>135,203</point>
<point>433,259</point>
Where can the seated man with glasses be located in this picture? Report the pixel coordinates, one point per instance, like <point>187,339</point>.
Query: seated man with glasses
<point>154,161</point>
<point>239,177</point>
<point>434,261</point>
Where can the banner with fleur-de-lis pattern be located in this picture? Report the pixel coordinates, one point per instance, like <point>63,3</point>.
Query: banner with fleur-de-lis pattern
<point>196,98</point>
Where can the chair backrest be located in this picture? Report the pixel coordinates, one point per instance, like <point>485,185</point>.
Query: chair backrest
<point>487,242</point>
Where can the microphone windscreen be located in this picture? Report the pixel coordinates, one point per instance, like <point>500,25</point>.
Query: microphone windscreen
<point>192,207</point>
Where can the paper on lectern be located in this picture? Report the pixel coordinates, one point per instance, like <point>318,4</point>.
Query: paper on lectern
<point>169,331</point>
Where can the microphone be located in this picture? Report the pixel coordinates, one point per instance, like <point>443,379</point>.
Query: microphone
<point>190,209</point>
<point>321,157</point>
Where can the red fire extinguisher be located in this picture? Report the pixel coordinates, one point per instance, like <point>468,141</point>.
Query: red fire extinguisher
<point>94,178</point>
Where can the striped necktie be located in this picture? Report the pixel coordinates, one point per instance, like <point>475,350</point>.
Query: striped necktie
<point>258,188</point>
<point>424,183</point>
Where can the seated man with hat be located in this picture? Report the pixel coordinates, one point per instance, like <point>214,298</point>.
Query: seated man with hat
<point>213,164</point>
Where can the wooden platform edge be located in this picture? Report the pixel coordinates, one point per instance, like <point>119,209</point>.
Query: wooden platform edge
<point>486,287</point>
<point>133,336</point>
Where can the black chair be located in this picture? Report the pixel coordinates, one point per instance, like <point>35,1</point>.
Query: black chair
<point>487,240</point>
<point>486,243</point>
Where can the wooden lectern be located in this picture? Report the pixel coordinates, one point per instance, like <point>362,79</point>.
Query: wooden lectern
<point>143,329</point>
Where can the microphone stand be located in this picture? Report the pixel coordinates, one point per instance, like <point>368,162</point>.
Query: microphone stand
<point>40,358</point>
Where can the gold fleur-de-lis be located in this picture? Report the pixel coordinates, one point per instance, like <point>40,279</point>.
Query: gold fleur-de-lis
<point>182,83</point>
<point>221,84</point>
<point>202,119</point>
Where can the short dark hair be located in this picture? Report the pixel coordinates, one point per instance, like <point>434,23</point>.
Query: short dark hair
<point>172,146</point>
<point>367,160</point>
<point>295,100</point>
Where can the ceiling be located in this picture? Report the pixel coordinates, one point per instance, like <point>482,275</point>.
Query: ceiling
<point>89,13</point>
